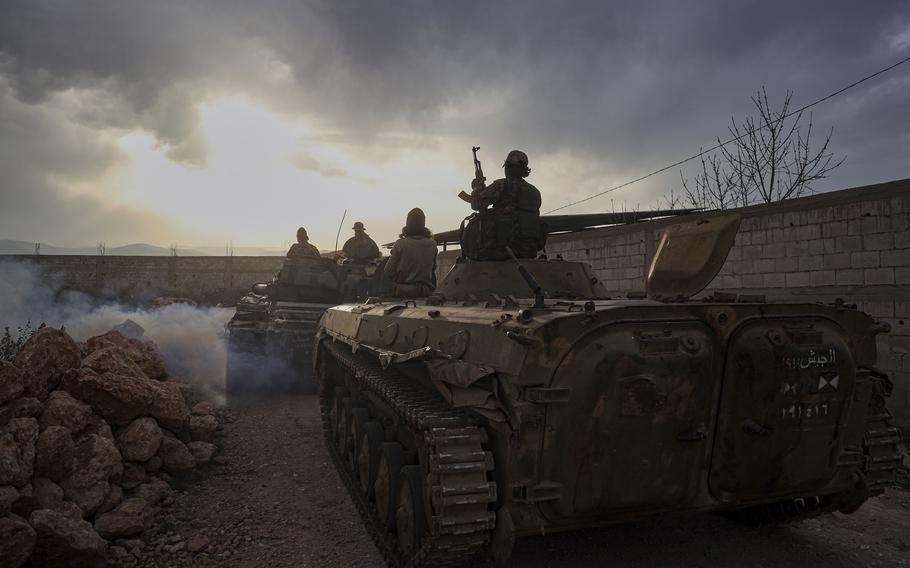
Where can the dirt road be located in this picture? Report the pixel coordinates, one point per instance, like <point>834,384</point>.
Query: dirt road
<point>277,502</point>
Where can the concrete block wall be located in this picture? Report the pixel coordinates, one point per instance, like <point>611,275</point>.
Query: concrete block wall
<point>205,279</point>
<point>852,244</point>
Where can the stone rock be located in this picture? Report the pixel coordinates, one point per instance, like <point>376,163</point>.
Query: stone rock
<point>202,451</point>
<point>117,399</point>
<point>17,451</point>
<point>153,464</point>
<point>69,509</point>
<point>133,475</point>
<point>203,428</point>
<point>140,440</point>
<point>143,353</point>
<point>47,494</point>
<point>97,461</point>
<point>54,453</point>
<point>203,408</point>
<point>62,541</point>
<point>8,496</point>
<point>12,382</point>
<point>113,360</point>
<point>98,427</point>
<point>114,497</point>
<point>25,407</point>
<point>128,519</point>
<point>17,540</point>
<point>175,456</point>
<point>62,409</point>
<point>168,406</point>
<point>155,491</point>
<point>44,358</point>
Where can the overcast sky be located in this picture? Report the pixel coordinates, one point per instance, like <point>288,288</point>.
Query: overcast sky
<point>201,122</point>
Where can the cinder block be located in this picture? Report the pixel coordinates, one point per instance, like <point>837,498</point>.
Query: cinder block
<point>736,253</point>
<point>877,241</point>
<point>902,309</point>
<point>812,262</point>
<point>902,275</point>
<point>813,216</point>
<point>899,257</point>
<point>743,266</point>
<point>751,252</point>
<point>796,279</point>
<point>798,248</point>
<point>873,276</point>
<point>759,237</point>
<point>752,280</point>
<point>764,265</point>
<point>848,244</point>
<point>788,264</point>
<point>900,204</point>
<point>774,280</point>
<point>792,219</point>
<point>817,247</point>
<point>743,238</point>
<point>902,238</point>
<point>808,232</point>
<point>865,260</point>
<point>835,229</point>
<point>828,246</point>
<point>836,261</point>
<point>822,277</point>
<point>854,227</point>
<point>850,277</point>
<point>875,224</point>
<point>772,221</point>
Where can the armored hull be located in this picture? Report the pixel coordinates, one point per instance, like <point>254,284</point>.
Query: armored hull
<point>461,422</point>
<point>270,336</point>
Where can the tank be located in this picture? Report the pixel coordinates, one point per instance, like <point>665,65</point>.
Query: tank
<point>270,337</point>
<point>521,400</point>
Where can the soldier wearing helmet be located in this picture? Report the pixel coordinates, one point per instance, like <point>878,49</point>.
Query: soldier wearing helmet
<point>302,247</point>
<point>513,217</point>
<point>360,247</point>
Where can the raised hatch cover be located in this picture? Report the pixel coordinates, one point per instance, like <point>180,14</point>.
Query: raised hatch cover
<point>689,256</point>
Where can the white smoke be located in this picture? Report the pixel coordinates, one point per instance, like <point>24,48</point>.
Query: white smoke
<point>190,338</point>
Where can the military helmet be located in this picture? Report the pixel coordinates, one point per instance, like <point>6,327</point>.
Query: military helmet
<point>516,157</point>
<point>358,226</point>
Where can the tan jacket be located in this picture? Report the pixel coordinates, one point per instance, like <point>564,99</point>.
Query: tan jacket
<point>413,261</point>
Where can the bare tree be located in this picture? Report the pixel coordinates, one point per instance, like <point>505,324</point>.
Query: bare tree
<point>770,158</point>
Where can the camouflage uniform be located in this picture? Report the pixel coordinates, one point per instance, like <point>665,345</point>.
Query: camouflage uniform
<point>509,215</point>
<point>361,247</point>
<point>412,263</point>
<point>303,249</point>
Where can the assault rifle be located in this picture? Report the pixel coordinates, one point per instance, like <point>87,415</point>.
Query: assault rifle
<point>478,175</point>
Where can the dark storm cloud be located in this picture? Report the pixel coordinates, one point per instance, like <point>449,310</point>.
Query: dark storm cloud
<point>625,87</point>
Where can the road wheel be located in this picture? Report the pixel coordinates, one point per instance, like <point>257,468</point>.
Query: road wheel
<point>386,485</point>
<point>368,456</point>
<point>338,394</point>
<point>410,518</point>
<point>344,425</point>
<point>359,417</point>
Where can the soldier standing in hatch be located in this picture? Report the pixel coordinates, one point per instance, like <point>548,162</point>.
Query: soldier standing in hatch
<point>302,247</point>
<point>514,217</point>
<point>412,263</point>
<point>361,247</point>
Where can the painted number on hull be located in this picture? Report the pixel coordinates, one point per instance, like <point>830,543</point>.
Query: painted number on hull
<point>807,411</point>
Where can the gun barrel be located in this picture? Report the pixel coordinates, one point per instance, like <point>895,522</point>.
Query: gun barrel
<point>529,279</point>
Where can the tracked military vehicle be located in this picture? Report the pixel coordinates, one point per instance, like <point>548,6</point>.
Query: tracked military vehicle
<point>522,400</point>
<point>270,336</point>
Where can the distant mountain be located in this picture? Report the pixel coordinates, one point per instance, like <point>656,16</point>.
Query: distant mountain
<point>241,251</point>
<point>8,246</point>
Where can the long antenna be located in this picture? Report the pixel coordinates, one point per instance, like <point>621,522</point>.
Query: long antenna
<point>338,234</point>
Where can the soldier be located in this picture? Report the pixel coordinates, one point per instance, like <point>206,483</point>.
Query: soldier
<point>302,247</point>
<point>514,217</point>
<point>361,247</point>
<point>412,263</point>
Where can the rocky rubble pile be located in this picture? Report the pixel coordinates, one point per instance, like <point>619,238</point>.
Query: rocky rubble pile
<point>92,438</point>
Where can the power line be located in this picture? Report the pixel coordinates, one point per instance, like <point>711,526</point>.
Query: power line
<point>743,135</point>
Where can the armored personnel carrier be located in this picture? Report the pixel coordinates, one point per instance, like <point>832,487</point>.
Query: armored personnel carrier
<point>521,400</point>
<point>270,336</point>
